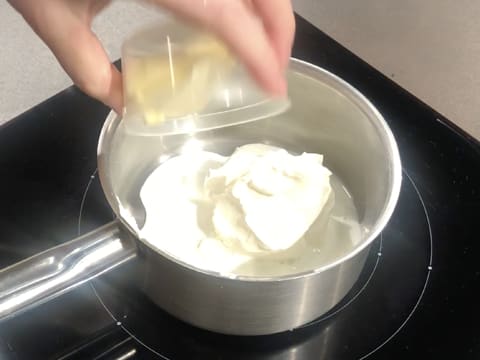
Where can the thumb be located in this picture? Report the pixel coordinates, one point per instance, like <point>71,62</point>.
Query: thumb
<point>82,56</point>
<point>85,61</point>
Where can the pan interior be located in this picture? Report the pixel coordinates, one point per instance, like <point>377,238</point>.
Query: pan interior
<point>327,117</point>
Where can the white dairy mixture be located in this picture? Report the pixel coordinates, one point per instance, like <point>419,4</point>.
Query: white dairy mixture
<point>259,212</point>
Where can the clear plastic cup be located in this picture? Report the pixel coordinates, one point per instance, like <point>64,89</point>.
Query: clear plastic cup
<point>179,79</point>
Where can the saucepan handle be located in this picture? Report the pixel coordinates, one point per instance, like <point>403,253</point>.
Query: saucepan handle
<point>57,270</point>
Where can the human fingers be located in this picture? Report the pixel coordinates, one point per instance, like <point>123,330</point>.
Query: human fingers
<point>83,58</point>
<point>64,26</point>
<point>279,22</point>
<point>236,23</point>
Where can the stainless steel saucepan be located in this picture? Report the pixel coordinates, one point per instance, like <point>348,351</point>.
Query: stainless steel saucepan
<point>328,116</point>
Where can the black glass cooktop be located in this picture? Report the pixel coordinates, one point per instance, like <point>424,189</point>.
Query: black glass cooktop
<point>417,296</point>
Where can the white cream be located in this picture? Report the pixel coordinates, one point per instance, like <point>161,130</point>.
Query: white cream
<point>265,198</point>
<point>260,212</point>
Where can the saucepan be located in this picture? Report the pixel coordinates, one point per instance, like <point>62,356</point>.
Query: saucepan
<point>327,116</point>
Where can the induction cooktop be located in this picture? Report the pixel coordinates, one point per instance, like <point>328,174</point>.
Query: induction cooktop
<point>416,297</point>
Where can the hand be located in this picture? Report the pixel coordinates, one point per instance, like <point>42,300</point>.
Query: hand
<point>260,32</point>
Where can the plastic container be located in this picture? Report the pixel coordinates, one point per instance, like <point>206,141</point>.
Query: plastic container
<point>180,79</point>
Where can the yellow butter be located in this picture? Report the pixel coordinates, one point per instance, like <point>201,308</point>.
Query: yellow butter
<point>177,82</point>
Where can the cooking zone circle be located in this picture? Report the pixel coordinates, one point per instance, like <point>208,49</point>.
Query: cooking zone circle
<point>376,309</point>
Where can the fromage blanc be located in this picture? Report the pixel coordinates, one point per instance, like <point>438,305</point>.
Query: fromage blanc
<point>265,199</point>
<point>247,214</point>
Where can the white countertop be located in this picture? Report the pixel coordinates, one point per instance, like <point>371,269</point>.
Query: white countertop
<point>429,47</point>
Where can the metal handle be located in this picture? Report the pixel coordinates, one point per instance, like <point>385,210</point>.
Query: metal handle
<point>57,270</point>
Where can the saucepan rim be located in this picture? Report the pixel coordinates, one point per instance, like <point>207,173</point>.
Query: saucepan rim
<point>330,79</point>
